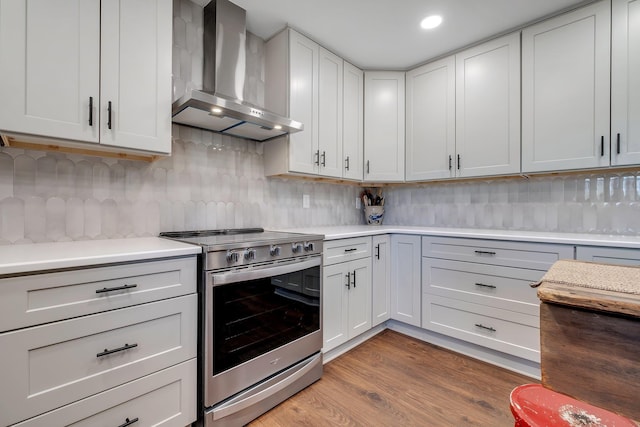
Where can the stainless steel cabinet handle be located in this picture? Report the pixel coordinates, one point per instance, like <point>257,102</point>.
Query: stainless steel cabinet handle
<point>618,144</point>
<point>116,350</point>
<point>488,328</point>
<point>128,422</point>
<point>347,163</point>
<point>348,276</point>
<point>317,156</point>
<point>378,251</point>
<point>354,278</point>
<point>351,249</point>
<point>485,252</point>
<point>109,114</point>
<point>485,286</point>
<point>602,145</point>
<point>91,111</point>
<point>450,162</point>
<point>367,166</point>
<point>459,162</point>
<point>117,288</point>
<point>324,158</point>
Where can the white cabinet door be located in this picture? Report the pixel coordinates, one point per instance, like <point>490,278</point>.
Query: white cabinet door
<point>384,126</point>
<point>488,108</point>
<point>565,91</point>
<point>330,77</point>
<point>135,101</point>
<point>50,68</point>
<point>625,82</point>
<point>431,126</point>
<point>405,278</point>
<point>359,296</point>
<point>335,306</point>
<point>380,280</point>
<point>353,122</point>
<point>303,104</point>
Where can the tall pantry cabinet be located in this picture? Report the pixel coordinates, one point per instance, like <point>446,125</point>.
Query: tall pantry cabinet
<point>90,71</point>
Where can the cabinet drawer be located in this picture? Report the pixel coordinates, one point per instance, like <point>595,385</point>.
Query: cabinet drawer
<point>55,364</point>
<point>32,300</point>
<point>343,250</point>
<point>536,256</point>
<point>506,331</point>
<point>501,287</point>
<point>621,256</point>
<point>166,398</point>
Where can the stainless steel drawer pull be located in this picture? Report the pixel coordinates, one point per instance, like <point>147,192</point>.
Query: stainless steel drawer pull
<point>488,328</point>
<point>485,286</point>
<point>351,250</point>
<point>116,350</point>
<point>485,252</point>
<point>128,422</point>
<point>117,288</point>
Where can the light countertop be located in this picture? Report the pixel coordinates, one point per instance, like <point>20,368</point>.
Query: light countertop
<point>18,259</point>
<point>344,232</point>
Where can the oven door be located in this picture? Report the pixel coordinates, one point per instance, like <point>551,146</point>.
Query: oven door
<point>259,321</point>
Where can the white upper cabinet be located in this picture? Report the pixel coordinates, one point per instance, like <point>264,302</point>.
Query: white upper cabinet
<point>50,68</point>
<point>353,122</point>
<point>384,93</point>
<point>430,124</point>
<point>625,82</point>
<point>488,108</point>
<point>305,82</point>
<point>330,114</point>
<point>565,91</point>
<point>90,71</point>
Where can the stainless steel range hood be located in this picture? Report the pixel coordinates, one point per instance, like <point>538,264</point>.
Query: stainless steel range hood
<point>221,107</point>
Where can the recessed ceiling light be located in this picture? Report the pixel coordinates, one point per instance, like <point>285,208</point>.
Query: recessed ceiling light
<point>431,22</point>
<point>277,127</point>
<point>216,110</point>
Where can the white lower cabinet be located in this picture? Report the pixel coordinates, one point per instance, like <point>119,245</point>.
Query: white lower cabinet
<point>126,328</point>
<point>479,291</point>
<point>380,279</point>
<point>405,279</point>
<point>346,297</point>
<point>604,255</point>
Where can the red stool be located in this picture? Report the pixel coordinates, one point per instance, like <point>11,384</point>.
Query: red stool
<point>535,406</point>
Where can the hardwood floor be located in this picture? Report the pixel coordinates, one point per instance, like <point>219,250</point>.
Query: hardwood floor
<point>395,380</point>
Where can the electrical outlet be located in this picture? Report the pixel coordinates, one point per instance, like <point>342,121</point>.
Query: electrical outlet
<point>306,201</point>
<point>358,201</point>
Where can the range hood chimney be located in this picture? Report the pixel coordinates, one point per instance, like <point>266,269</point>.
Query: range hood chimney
<point>221,107</point>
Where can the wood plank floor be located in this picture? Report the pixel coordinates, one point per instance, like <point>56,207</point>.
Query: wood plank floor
<point>395,380</point>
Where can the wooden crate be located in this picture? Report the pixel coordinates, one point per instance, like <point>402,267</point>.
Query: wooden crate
<point>590,337</point>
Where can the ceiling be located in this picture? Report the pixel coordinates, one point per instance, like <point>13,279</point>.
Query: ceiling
<point>386,34</point>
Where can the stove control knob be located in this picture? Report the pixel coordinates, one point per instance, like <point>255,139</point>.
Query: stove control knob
<point>274,250</point>
<point>249,254</point>
<point>308,246</point>
<point>296,247</point>
<point>232,256</point>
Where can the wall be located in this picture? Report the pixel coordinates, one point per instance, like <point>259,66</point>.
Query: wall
<point>591,203</point>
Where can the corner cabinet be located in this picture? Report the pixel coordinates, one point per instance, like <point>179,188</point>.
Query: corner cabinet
<point>384,127</point>
<point>405,278</point>
<point>566,90</point>
<point>306,83</point>
<point>346,295</point>
<point>90,71</point>
<point>353,122</point>
<point>625,82</point>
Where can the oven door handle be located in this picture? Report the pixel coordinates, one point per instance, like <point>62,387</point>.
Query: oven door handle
<point>237,276</point>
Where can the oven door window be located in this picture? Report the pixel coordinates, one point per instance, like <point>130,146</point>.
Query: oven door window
<point>254,317</point>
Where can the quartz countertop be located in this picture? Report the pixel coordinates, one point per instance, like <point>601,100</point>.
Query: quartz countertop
<point>20,259</point>
<point>348,231</point>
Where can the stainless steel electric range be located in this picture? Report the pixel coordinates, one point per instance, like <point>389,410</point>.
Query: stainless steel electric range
<point>260,320</point>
